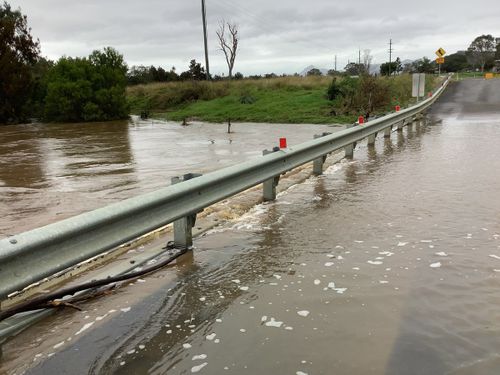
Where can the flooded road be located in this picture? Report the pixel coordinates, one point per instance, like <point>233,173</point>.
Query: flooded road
<point>387,264</point>
<point>52,171</point>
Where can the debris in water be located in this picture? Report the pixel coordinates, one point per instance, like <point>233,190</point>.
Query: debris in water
<point>303,313</point>
<point>435,265</point>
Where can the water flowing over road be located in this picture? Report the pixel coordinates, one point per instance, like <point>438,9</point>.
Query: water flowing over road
<point>387,264</point>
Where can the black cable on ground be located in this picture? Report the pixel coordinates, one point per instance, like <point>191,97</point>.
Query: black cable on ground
<point>48,300</point>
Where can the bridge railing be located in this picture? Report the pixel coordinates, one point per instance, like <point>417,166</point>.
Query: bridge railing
<point>29,257</point>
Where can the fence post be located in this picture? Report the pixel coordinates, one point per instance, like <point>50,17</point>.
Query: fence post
<point>183,227</point>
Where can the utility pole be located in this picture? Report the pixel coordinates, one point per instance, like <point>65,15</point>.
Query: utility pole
<point>390,55</point>
<point>359,56</point>
<point>204,19</point>
<point>335,63</point>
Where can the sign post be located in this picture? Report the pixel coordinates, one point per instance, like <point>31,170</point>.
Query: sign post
<point>418,86</point>
<point>440,60</point>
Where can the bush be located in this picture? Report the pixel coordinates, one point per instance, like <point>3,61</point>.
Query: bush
<point>87,89</point>
<point>333,90</point>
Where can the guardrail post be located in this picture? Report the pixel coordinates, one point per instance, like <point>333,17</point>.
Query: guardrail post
<point>349,149</point>
<point>318,163</point>
<point>371,139</point>
<point>269,186</point>
<point>387,132</point>
<point>401,125</point>
<point>183,227</point>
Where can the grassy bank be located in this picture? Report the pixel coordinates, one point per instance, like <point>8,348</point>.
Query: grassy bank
<point>275,100</point>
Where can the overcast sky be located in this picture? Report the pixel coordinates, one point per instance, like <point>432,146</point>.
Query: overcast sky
<point>281,36</point>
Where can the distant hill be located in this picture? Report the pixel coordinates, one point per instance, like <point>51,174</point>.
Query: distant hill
<point>307,69</point>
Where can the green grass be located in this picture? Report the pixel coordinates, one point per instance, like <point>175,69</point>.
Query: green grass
<point>276,106</point>
<point>276,100</point>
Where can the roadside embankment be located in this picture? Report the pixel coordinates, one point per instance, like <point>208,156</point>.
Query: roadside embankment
<point>275,100</point>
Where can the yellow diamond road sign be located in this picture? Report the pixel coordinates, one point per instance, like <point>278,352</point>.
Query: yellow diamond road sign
<point>440,52</point>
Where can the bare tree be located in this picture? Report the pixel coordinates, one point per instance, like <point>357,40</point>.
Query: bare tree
<point>228,42</point>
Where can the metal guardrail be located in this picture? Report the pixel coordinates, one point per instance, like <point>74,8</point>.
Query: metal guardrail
<point>31,256</point>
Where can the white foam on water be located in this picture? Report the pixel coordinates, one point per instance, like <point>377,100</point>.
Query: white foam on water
<point>329,264</point>
<point>198,368</point>
<point>301,373</point>
<point>85,327</point>
<point>494,256</point>
<point>131,352</point>
<point>59,345</point>
<point>211,336</point>
<point>317,282</point>
<point>199,357</point>
<point>435,265</point>
<point>386,253</point>
<point>142,347</point>
<point>331,285</point>
<point>426,241</point>
<point>236,281</point>
<point>356,268</point>
<point>383,282</point>
<point>442,254</point>
<point>358,241</point>
<point>187,346</point>
<point>288,328</point>
<point>243,330</point>
<point>202,299</point>
<point>277,277</point>
<point>401,244</point>
<point>263,319</point>
<point>274,323</point>
<point>125,309</point>
<point>330,255</point>
<point>98,318</point>
<point>218,320</point>
<point>244,288</point>
<point>375,262</point>
<point>340,290</point>
<point>303,313</point>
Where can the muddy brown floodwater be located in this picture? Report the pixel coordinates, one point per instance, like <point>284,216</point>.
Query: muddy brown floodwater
<point>387,264</point>
<point>52,171</point>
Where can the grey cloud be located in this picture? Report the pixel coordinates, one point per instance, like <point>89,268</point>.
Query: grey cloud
<point>279,35</point>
